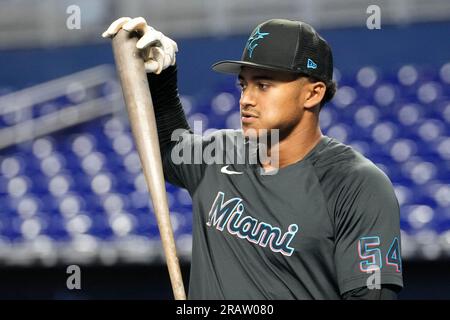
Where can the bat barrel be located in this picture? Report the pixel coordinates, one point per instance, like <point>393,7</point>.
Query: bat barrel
<point>136,91</point>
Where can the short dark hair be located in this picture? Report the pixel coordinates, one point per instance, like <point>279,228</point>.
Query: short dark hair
<point>329,93</point>
<point>331,88</point>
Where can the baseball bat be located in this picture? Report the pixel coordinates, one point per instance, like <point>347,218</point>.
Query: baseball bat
<point>138,101</point>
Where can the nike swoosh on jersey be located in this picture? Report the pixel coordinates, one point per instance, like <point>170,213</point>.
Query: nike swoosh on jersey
<point>226,171</point>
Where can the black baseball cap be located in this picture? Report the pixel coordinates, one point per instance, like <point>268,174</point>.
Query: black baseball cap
<point>284,45</point>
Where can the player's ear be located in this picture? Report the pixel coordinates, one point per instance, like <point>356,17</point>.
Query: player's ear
<point>315,91</point>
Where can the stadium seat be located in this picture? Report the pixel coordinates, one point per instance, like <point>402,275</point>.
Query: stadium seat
<point>88,181</point>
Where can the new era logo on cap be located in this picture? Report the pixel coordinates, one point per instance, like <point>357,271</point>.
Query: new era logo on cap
<point>284,45</point>
<point>311,64</point>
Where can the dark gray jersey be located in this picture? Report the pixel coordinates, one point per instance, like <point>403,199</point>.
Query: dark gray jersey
<point>314,230</point>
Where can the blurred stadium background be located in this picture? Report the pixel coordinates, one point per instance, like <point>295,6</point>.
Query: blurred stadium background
<point>71,187</point>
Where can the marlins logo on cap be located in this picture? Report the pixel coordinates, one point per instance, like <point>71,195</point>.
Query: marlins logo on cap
<point>251,43</point>
<point>284,45</point>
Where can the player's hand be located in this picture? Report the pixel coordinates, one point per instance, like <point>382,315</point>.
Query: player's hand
<point>158,50</point>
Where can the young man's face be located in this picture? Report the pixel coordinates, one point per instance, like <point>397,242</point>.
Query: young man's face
<point>270,100</point>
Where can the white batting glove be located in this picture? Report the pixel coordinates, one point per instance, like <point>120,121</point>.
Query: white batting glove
<point>158,50</point>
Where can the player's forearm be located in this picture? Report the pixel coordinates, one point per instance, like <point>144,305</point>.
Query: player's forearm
<point>169,112</point>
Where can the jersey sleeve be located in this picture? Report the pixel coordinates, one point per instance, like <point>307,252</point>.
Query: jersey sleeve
<point>184,161</point>
<point>367,230</point>
<point>385,292</point>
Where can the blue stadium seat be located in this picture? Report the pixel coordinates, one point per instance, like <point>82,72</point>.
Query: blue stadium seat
<point>88,179</point>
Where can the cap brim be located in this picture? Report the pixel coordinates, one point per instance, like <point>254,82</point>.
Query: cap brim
<point>234,67</point>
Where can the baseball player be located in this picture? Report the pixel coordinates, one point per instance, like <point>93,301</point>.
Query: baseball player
<point>321,222</point>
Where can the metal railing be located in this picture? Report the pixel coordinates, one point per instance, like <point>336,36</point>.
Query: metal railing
<point>24,101</point>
